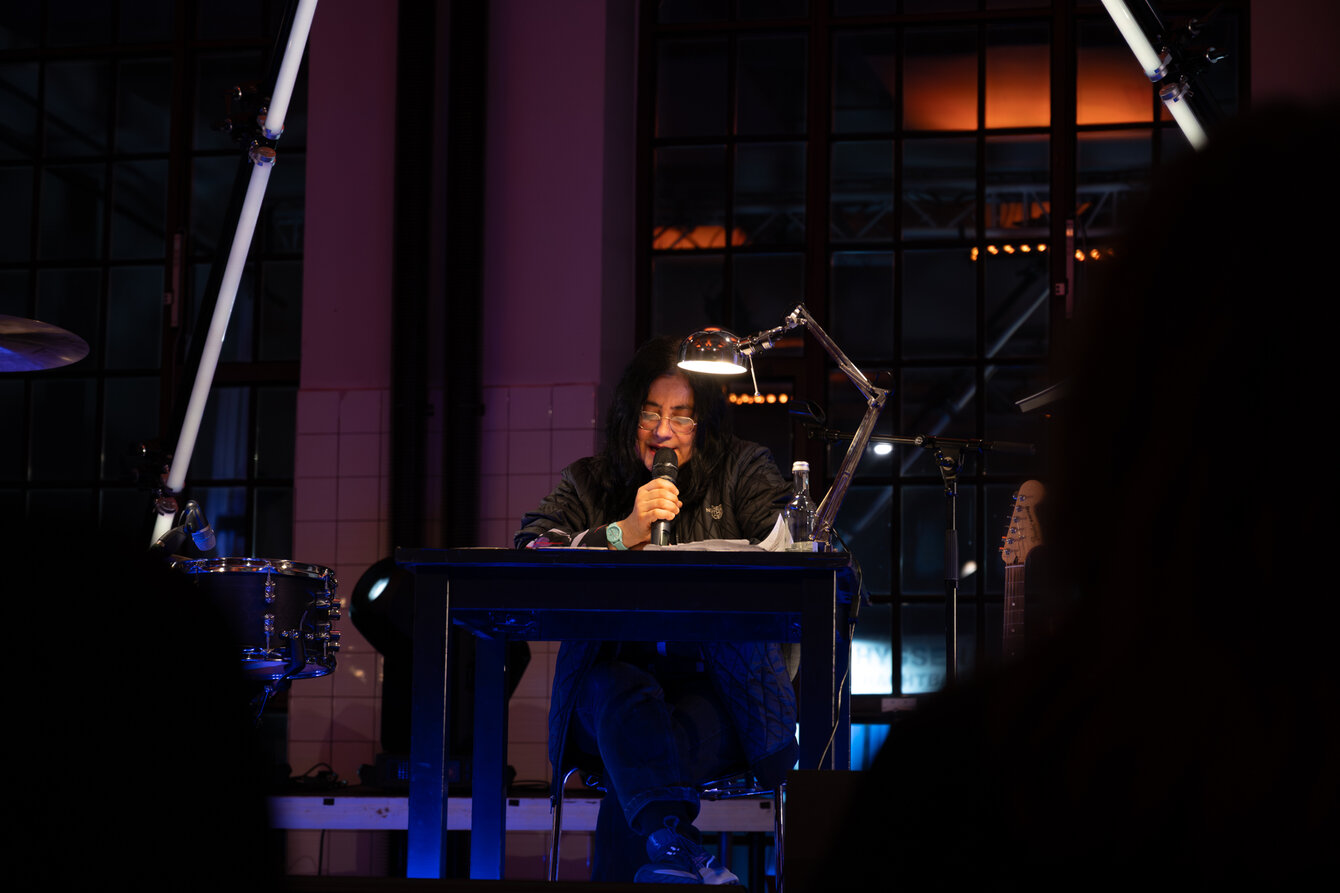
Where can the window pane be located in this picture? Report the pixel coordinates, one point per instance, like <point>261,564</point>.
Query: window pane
<point>146,20</point>
<point>1110,88</point>
<point>846,408</point>
<point>211,187</point>
<point>771,85</point>
<point>864,7</point>
<point>939,188</point>
<point>130,417</point>
<point>691,196</point>
<point>221,450</point>
<point>865,80</point>
<point>771,9</point>
<point>226,509</point>
<point>923,664</point>
<point>139,209</point>
<point>78,104</point>
<point>1018,76</point>
<point>18,109</point>
<point>938,6</point>
<point>865,524</point>
<point>274,521</point>
<point>1112,173</point>
<point>143,113</point>
<point>282,215</point>
<point>770,193</point>
<point>220,19</point>
<point>281,312</point>
<point>16,226</point>
<point>70,299</point>
<point>14,293</point>
<point>862,304</point>
<point>134,317</point>
<point>72,208</point>
<point>687,294</point>
<point>939,304</point>
<point>1017,293</point>
<point>63,439</point>
<point>871,651</point>
<point>1006,423</point>
<point>862,192</point>
<point>942,401</point>
<point>922,515</point>
<point>767,287</point>
<point>78,22</point>
<point>22,22</point>
<point>691,97</point>
<point>276,424</point>
<point>1018,176</point>
<point>11,433</point>
<point>940,79</point>
<point>692,10</point>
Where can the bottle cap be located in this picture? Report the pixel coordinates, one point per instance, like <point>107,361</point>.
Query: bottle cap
<point>800,465</point>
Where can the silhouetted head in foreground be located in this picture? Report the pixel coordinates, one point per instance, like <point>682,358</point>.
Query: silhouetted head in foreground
<point>1184,721</point>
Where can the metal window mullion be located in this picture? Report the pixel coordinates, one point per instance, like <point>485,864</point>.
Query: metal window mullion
<point>816,254</point>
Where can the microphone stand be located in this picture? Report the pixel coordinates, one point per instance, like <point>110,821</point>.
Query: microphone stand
<point>948,455</point>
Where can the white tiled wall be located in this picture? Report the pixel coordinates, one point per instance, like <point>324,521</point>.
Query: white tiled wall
<point>341,508</point>
<point>341,521</point>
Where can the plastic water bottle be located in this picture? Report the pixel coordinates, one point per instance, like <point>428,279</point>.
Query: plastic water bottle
<point>800,510</point>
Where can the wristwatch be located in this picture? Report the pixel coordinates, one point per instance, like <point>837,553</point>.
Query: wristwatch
<point>614,536</point>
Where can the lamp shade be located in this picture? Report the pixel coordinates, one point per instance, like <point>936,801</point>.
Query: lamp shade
<point>712,350</point>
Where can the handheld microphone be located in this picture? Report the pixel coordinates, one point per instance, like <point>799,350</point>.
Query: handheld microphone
<point>664,465</point>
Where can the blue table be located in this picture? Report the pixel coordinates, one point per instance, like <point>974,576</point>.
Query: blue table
<point>556,595</point>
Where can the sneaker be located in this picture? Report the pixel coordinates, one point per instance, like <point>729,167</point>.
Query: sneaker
<point>677,860</point>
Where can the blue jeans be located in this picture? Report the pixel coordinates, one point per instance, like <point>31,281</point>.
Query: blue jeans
<point>659,732</point>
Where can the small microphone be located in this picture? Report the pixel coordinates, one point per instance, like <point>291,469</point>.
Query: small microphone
<point>198,526</point>
<point>664,465</point>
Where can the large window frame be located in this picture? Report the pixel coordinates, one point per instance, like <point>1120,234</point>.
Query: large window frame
<point>972,357</point>
<point>154,80</point>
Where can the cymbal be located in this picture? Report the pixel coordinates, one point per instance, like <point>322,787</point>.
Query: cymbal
<point>27,345</point>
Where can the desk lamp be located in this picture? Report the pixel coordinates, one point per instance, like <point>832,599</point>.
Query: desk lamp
<point>719,352</point>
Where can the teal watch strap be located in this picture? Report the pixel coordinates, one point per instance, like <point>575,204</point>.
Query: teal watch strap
<point>614,536</point>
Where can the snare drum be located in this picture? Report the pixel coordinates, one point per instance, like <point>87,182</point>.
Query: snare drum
<point>280,612</point>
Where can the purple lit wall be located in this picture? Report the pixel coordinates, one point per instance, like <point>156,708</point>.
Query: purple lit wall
<point>558,315</point>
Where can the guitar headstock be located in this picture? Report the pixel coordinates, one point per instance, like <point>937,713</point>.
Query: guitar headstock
<point>1024,532</point>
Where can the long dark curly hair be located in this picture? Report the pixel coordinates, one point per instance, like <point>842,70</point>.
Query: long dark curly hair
<point>711,439</point>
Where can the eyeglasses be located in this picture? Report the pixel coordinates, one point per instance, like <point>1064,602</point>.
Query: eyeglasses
<point>650,421</point>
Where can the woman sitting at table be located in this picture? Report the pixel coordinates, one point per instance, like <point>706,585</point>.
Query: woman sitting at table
<point>660,718</point>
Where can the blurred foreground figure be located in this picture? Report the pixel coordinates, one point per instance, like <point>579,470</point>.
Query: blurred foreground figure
<point>133,755</point>
<point>1182,725</point>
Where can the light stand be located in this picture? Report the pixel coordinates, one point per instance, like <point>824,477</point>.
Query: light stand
<point>1165,67</point>
<point>720,352</point>
<point>262,159</point>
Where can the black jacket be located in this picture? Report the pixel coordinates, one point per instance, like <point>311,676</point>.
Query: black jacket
<point>741,501</point>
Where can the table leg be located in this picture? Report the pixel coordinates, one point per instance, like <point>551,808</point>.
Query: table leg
<point>430,709</point>
<point>488,829</point>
